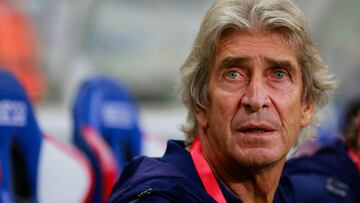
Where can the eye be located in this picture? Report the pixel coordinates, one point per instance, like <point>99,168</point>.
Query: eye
<point>231,74</point>
<point>279,74</point>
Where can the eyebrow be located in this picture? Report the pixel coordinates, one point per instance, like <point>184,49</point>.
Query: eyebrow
<point>235,61</point>
<point>246,62</point>
<point>287,65</point>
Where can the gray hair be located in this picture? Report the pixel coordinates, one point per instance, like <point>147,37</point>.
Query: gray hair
<point>280,16</point>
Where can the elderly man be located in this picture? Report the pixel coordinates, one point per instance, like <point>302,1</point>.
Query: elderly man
<point>251,83</point>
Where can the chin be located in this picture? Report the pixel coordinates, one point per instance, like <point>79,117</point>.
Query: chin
<point>261,157</point>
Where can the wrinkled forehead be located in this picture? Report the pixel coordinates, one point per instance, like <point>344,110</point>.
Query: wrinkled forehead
<point>257,40</point>
<point>286,34</point>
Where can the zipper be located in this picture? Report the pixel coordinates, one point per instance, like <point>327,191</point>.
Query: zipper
<point>145,193</point>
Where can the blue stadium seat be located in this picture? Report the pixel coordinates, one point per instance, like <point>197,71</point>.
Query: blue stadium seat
<point>28,157</point>
<point>106,129</point>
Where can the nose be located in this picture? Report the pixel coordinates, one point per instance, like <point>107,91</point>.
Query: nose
<point>255,97</point>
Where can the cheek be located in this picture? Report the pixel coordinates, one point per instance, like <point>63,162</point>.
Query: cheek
<point>224,98</point>
<point>220,113</point>
<point>289,109</point>
<point>224,105</point>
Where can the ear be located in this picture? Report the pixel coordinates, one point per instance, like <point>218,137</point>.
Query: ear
<point>307,111</point>
<point>202,121</point>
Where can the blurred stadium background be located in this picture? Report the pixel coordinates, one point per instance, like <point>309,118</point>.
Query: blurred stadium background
<point>144,42</point>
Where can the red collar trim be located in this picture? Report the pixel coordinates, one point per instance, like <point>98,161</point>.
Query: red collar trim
<point>206,175</point>
<point>355,157</point>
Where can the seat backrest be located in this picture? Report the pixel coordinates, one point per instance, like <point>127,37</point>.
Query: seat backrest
<point>20,141</point>
<point>65,175</point>
<point>104,109</point>
<point>26,156</point>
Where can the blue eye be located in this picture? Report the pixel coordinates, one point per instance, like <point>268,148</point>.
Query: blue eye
<point>232,74</point>
<point>279,74</point>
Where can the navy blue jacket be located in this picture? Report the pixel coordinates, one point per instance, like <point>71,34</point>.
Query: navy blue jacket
<point>172,178</point>
<point>328,176</point>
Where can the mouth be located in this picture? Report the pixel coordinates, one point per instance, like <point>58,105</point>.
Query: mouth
<point>256,129</point>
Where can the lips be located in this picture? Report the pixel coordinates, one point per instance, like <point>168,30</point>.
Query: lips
<point>256,128</point>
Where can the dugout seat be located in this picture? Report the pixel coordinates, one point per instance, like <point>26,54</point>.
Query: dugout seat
<point>106,130</point>
<point>36,168</point>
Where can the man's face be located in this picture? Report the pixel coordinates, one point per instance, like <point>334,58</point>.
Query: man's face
<point>255,111</point>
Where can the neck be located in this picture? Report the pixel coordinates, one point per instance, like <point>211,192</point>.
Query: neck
<point>250,184</point>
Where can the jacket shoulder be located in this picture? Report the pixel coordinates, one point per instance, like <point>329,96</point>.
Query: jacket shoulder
<point>152,180</point>
<point>328,176</point>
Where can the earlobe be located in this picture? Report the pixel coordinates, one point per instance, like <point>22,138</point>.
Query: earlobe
<point>307,113</point>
